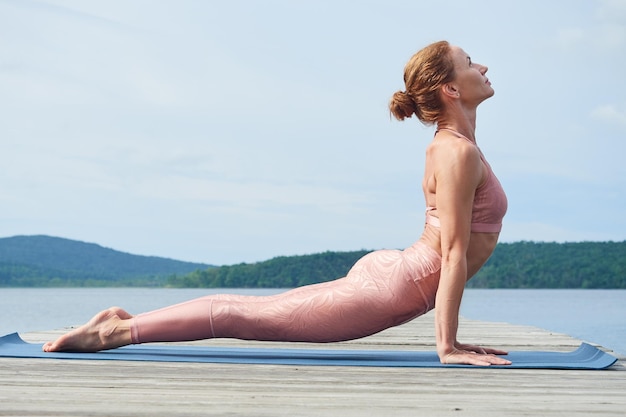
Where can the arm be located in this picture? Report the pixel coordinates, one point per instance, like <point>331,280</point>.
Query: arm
<point>460,173</point>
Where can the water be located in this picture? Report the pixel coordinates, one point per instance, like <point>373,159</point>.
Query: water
<point>34,309</point>
<point>597,316</point>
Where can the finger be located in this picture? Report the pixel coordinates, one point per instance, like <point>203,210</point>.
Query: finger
<point>488,360</point>
<point>472,348</point>
<point>472,358</point>
<point>496,351</point>
<point>476,361</point>
<point>496,360</point>
<point>500,361</point>
<point>485,350</point>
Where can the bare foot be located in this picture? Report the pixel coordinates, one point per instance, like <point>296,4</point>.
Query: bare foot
<point>106,330</point>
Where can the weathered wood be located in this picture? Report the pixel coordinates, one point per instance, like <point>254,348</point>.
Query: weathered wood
<point>44,387</point>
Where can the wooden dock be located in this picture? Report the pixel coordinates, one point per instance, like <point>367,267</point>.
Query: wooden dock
<point>46,387</point>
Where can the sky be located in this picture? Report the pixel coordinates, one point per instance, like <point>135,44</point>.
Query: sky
<point>237,131</point>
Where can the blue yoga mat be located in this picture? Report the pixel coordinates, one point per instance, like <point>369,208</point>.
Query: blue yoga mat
<point>585,357</point>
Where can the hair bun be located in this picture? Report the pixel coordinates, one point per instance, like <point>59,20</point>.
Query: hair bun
<point>402,105</point>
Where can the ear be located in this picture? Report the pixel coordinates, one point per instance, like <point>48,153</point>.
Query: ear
<point>450,90</point>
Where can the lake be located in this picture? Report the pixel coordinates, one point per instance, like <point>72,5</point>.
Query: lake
<point>597,316</point>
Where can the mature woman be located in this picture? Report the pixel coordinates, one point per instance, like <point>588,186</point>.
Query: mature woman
<point>385,288</point>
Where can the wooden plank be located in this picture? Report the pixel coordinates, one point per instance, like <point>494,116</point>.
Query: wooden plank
<point>30,387</point>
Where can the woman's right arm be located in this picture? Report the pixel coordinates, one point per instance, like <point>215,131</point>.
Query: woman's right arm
<point>460,173</point>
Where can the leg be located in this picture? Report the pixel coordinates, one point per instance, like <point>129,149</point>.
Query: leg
<point>384,289</point>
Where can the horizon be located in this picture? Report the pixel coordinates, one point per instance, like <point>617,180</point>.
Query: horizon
<point>228,132</point>
<point>272,257</point>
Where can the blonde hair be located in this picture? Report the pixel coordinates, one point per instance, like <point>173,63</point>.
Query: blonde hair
<point>427,70</point>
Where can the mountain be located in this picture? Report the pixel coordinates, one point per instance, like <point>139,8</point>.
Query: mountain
<point>45,261</point>
<point>53,261</point>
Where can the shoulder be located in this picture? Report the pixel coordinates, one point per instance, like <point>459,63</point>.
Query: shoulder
<point>449,154</point>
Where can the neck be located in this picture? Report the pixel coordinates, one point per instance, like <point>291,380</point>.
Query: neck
<point>469,134</point>
<point>462,121</point>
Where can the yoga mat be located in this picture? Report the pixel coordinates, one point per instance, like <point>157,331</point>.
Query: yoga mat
<point>585,357</point>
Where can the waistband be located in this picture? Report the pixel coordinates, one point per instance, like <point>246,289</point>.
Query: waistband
<point>475,227</point>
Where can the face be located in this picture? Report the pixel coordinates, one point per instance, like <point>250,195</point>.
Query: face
<point>471,82</point>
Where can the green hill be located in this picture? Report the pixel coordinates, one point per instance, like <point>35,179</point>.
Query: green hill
<point>554,265</point>
<point>43,261</point>
<point>512,265</point>
<point>280,272</point>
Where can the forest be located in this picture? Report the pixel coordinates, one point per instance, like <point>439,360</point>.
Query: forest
<point>279,272</point>
<point>513,265</point>
<point>587,265</point>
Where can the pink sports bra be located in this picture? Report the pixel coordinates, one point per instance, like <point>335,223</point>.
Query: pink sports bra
<point>489,206</point>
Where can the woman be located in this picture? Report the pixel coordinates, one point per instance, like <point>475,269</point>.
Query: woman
<point>385,288</point>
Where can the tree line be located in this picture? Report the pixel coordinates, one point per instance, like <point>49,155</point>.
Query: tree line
<point>513,265</point>
<point>44,261</point>
<point>279,272</point>
<point>586,265</point>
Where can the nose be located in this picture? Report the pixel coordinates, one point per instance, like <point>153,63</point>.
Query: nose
<point>483,69</point>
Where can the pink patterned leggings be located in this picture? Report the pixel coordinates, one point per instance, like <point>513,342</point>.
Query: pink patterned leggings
<point>383,289</point>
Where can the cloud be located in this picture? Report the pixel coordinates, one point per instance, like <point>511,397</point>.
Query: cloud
<point>612,11</point>
<point>610,114</point>
<point>601,33</point>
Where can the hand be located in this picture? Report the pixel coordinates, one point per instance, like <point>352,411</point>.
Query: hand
<point>474,355</point>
